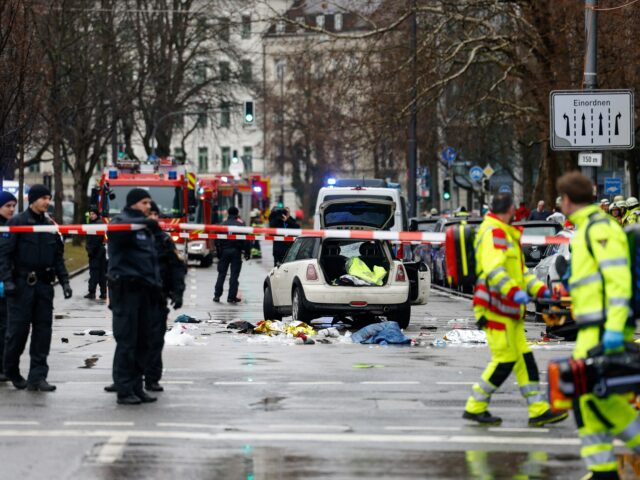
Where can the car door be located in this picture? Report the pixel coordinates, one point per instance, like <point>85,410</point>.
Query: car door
<point>296,266</point>
<point>280,289</point>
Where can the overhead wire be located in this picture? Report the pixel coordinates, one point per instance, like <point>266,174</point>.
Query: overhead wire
<point>609,9</point>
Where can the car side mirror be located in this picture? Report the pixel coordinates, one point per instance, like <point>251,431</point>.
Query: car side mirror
<point>561,265</point>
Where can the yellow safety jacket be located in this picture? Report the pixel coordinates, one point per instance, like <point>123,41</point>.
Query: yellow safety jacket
<point>356,267</point>
<point>631,217</point>
<point>600,282</point>
<point>500,269</point>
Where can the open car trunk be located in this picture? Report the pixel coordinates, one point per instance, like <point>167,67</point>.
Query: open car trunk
<point>357,214</point>
<point>336,253</point>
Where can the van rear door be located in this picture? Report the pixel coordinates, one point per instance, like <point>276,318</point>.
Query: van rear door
<point>357,214</point>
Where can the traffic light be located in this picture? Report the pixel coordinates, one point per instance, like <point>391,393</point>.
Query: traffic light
<point>486,185</point>
<point>446,189</point>
<point>234,157</point>
<point>249,114</point>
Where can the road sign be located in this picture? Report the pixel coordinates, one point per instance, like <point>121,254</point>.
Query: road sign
<point>589,159</point>
<point>476,173</point>
<point>591,119</point>
<point>613,186</point>
<point>449,155</point>
<point>488,171</point>
<point>504,189</point>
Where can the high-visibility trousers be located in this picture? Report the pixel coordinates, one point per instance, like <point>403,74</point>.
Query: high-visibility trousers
<point>600,420</point>
<point>509,351</point>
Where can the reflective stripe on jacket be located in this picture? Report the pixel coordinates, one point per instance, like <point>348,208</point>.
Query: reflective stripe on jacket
<point>600,283</point>
<point>501,271</point>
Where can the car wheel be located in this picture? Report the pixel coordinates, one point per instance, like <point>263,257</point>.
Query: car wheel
<point>298,312</point>
<point>402,316</point>
<point>268,310</point>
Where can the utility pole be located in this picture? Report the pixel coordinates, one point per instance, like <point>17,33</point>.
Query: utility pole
<point>413,122</point>
<point>590,77</point>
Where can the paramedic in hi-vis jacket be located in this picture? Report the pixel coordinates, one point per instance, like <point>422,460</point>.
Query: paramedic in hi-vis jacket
<point>502,290</point>
<point>600,287</point>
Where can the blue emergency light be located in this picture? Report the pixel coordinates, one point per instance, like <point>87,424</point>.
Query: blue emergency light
<point>173,175</point>
<point>113,174</point>
<point>331,182</point>
<point>257,189</point>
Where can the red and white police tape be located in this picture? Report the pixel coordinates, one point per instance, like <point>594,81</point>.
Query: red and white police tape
<point>271,234</point>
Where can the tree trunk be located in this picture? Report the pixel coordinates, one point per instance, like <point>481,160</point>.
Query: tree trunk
<point>632,162</point>
<point>57,175</point>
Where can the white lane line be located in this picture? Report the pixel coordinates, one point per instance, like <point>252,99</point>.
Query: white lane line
<point>347,438</point>
<point>112,451</point>
<point>518,430</point>
<point>455,383</point>
<point>193,295</point>
<point>178,382</point>
<point>416,428</point>
<point>315,383</point>
<point>411,382</point>
<point>19,422</point>
<point>297,427</point>
<point>240,383</point>
<point>98,424</point>
<point>189,425</point>
<point>194,287</point>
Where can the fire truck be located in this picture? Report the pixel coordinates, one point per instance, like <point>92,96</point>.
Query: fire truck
<point>215,193</point>
<point>166,182</point>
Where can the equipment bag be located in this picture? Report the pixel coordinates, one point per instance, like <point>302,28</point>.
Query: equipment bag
<point>633,238</point>
<point>460,255</point>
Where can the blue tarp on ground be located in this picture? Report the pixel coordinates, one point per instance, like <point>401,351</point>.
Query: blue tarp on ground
<point>384,333</point>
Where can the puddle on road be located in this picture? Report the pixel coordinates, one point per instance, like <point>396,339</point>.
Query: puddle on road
<point>268,404</point>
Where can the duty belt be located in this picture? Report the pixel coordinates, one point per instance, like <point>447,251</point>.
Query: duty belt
<point>33,276</point>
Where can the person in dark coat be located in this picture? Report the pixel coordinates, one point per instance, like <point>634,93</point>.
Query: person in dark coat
<point>7,210</point>
<point>97,259</point>
<point>29,264</point>
<point>230,254</point>
<point>540,213</point>
<point>281,218</point>
<point>134,286</point>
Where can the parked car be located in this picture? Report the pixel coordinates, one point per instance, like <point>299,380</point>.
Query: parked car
<point>439,269</point>
<point>422,252</point>
<point>546,268</point>
<point>534,253</point>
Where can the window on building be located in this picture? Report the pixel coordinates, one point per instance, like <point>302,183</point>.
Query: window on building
<point>201,121</point>
<point>224,26</point>
<point>301,24</point>
<point>225,115</point>
<point>320,21</point>
<point>225,156</point>
<point>203,159</point>
<point>337,22</point>
<point>247,158</point>
<point>34,168</point>
<point>280,26</point>
<point>246,71</point>
<point>200,73</point>
<point>245,28</point>
<point>178,154</point>
<point>225,71</point>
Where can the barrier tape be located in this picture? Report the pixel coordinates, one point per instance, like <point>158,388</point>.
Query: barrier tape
<point>223,236</point>
<point>288,234</point>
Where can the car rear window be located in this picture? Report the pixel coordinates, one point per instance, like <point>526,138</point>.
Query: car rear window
<point>427,227</point>
<point>540,230</point>
<point>360,214</point>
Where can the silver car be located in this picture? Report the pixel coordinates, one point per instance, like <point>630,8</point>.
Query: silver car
<point>546,269</point>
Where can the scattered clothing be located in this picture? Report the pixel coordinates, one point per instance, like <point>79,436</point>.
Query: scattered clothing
<point>385,333</point>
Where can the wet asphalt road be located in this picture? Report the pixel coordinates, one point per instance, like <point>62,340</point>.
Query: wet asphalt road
<point>243,407</point>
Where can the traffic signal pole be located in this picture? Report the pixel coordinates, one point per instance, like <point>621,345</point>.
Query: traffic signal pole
<point>590,77</point>
<point>413,122</point>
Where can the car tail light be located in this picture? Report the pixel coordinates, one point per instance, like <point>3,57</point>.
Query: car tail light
<point>312,274</point>
<point>401,276</point>
<point>358,304</point>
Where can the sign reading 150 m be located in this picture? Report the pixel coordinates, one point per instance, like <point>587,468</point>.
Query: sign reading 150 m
<point>591,119</point>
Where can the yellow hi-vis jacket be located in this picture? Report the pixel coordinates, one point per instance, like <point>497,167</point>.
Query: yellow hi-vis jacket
<point>631,217</point>
<point>501,272</point>
<point>600,283</point>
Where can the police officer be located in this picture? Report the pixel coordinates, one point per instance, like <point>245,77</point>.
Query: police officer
<point>29,264</point>
<point>135,284</point>
<point>97,259</point>
<point>7,210</point>
<point>281,218</point>
<point>502,290</point>
<point>172,273</point>
<point>230,254</point>
<point>600,284</point>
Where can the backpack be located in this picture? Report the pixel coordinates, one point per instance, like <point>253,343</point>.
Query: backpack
<point>633,238</point>
<point>460,255</point>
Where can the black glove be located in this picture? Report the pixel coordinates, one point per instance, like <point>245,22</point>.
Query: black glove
<point>176,300</point>
<point>151,224</point>
<point>66,289</point>
<point>247,255</point>
<point>9,288</point>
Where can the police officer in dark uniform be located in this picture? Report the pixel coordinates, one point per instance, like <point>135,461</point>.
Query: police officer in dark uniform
<point>29,264</point>
<point>134,284</point>
<point>172,273</point>
<point>7,210</point>
<point>281,218</point>
<point>230,254</point>
<point>97,259</point>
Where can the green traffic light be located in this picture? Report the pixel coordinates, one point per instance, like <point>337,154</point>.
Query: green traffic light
<point>447,196</point>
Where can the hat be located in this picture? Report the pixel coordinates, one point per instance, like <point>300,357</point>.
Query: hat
<point>135,195</point>
<point>233,211</point>
<point>604,201</point>
<point>38,191</point>
<point>6,197</point>
<point>94,209</point>
<point>434,211</point>
<point>632,202</point>
<point>154,207</point>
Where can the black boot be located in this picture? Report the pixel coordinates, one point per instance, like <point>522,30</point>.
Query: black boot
<point>144,398</point>
<point>111,388</point>
<point>41,386</point>
<point>483,418</point>
<point>153,386</point>
<point>129,400</point>
<point>19,382</point>
<point>3,378</point>
<point>547,418</point>
<point>90,296</point>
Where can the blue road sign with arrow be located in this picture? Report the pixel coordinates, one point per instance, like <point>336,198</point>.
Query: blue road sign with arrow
<point>449,155</point>
<point>613,186</point>
<point>476,173</point>
<point>504,189</point>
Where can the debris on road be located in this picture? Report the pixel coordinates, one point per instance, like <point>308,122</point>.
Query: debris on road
<point>384,333</point>
<point>178,336</point>
<point>99,333</point>
<point>331,332</point>
<point>184,318</point>
<point>465,336</point>
<point>64,340</point>
<point>91,361</point>
<point>242,326</point>
<point>366,365</point>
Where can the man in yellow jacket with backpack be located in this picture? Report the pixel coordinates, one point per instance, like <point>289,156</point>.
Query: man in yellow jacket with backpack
<point>503,288</point>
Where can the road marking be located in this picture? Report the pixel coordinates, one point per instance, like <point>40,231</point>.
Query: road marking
<point>178,382</point>
<point>416,428</point>
<point>411,382</point>
<point>193,295</point>
<point>99,424</point>
<point>302,426</point>
<point>189,425</point>
<point>455,383</point>
<point>240,383</point>
<point>315,383</point>
<point>518,430</point>
<point>19,422</point>
<point>113,449</point>
<point>194,287</point>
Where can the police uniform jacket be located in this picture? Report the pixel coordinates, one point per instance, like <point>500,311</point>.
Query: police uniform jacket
<point>95,243</point>
<point>240,245</point>
<point>172,269</point>
<point>133,254</point>
<point>21,253</point>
